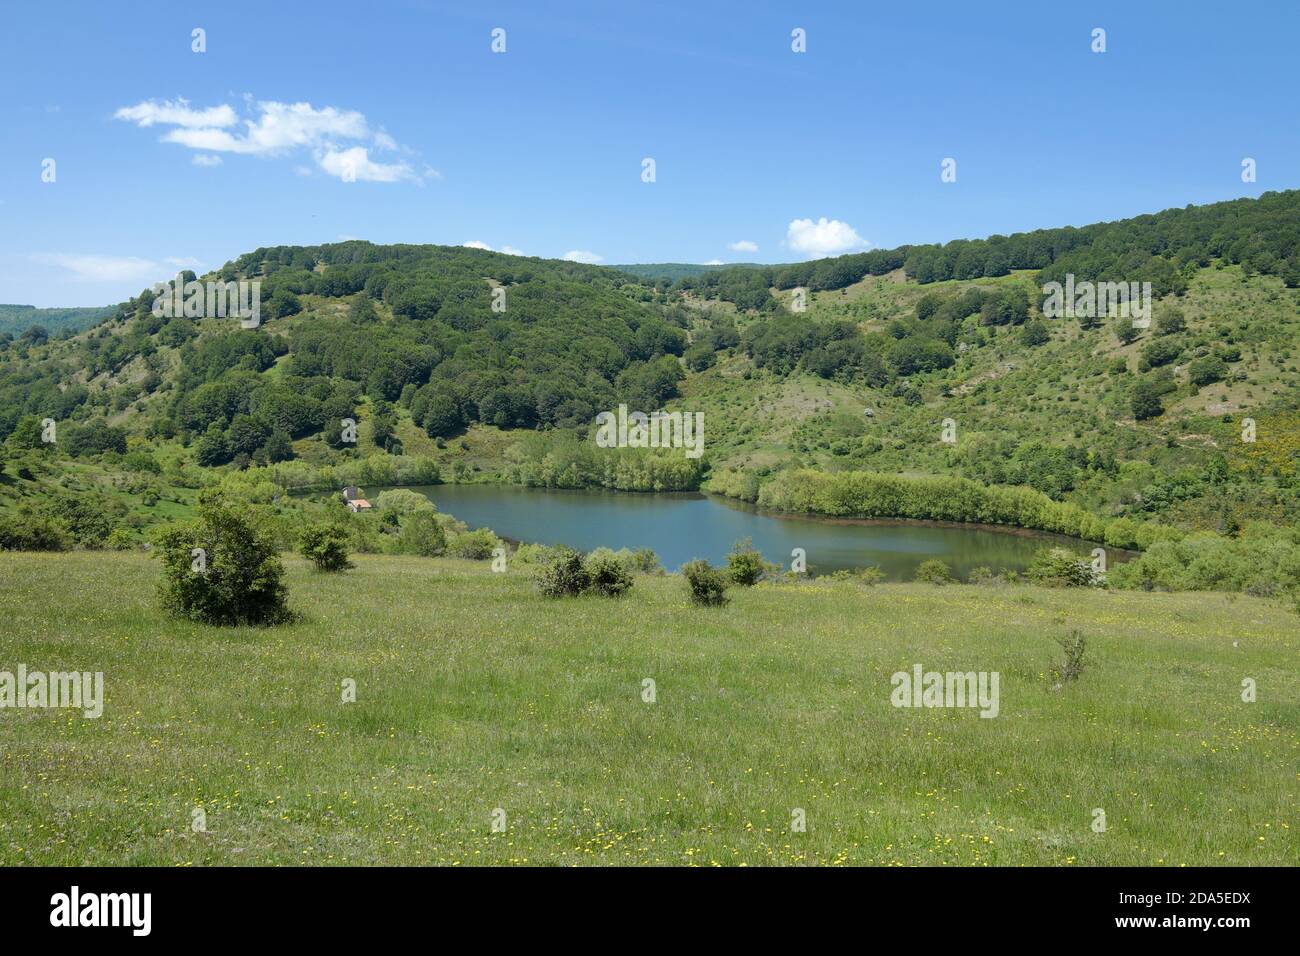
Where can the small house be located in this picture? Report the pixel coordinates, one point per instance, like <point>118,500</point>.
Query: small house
<point>358,504</point>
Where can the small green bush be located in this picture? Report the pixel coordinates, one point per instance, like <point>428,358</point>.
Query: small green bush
<point>640,561</point>
<point>535,554</point>
<point>241,580</point>
<point>608,576</point>
<point>1057,567</point>
<point>565,576</point>
<point>326,546</point>
<point>707,584</point>
<point>868,576</point>
<point>1073,646</point>
<point>119,540</point>
<point>32,533</point>
<point>477,545</point>
<point>934,571</point>
<point>421,533</point>
<point>745,564</point>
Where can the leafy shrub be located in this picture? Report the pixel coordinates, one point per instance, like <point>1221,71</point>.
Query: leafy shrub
<point>89,518</point>
<point>421,533</point>
<point>477,545</point>
<point>1073,646</point>
<point>1263,555</point>
<point>608,576</point>
<point>565,576</point>
<point>32,533</point>
<point>707,584</point>
<point>1207,370</point>
<point>868,576</point>
<point>1057,567</point>
<point>400,502</point>
<point>982,575</point>
<point>745,564</point>
<point>241,578</point>
<point>536,554</point>
<point>933,571</point>
<point>119,540</point>
<point>640,561</point>
<point>326,546</point>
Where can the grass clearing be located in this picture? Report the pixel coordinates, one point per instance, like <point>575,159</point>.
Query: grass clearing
<point>474,693</point>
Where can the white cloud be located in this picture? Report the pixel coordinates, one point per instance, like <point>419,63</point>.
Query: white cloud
<point>355,165</point>
<point>176,113</point>
<point>743,245</point>
<point>275,129</point>
<point>581,255</point>
<point>206,159</point>
<point>507,250</point>
<point>93,268</point>
<point>714,262</point>
<point>825,237</point>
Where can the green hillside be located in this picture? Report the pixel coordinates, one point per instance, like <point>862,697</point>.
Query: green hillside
<point>17,319</point>
<point>674,271</point>
<point>492,367</point>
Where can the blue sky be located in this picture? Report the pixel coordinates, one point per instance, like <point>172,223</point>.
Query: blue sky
<point>395,122</point>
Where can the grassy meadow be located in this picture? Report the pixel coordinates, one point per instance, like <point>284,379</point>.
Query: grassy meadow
<point>474,693</point>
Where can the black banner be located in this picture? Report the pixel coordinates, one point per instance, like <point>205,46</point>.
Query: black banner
<point>334,906</point>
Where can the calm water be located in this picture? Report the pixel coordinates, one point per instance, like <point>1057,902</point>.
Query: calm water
<point>680,527</point>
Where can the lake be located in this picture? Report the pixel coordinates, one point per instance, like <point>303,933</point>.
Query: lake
<point>683,526</point>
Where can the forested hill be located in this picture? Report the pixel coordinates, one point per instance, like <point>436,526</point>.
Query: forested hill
<point>17,319</point>
<point>354,322</point>
<point>1263,235</point>
<point>673,271</point>
<point>496,366</point>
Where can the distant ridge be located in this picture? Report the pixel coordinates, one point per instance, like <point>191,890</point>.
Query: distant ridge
<point>16,319</point>
<point>673,271</point>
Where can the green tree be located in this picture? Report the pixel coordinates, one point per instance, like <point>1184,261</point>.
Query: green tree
<point>1146,401</point>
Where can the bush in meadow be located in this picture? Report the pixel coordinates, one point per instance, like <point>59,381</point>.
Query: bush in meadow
<point>608,576</point>
<point>565,575</point>
<point>868,576</point>
<point>707,584</point>
<point>933,571</point>
<point>745,564</point>
<point>421,533</point>
<point>477,545</point>
<point>222,568</point>
<point>25,532</point>
<point>326,546</point>
<point>1057,567</point>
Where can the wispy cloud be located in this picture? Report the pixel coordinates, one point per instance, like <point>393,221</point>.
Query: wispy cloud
<point>338,140</point>
<point>99,268</point>
<point>582,255</point>
<point>743,245</point>
<point>177,113</point>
